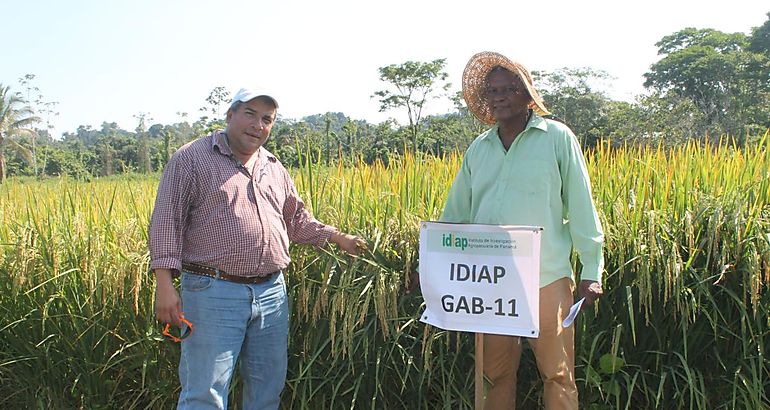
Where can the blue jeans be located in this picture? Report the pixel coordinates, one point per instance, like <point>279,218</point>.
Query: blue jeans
<point>232,321</point>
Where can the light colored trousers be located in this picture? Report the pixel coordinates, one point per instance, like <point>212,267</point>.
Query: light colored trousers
<point>233,323</point>
<point>554,351</point>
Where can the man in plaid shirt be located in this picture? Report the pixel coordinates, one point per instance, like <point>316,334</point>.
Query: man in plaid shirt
<point>224,215</point>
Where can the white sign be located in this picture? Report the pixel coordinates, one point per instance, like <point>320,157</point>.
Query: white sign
<point>481,278</point>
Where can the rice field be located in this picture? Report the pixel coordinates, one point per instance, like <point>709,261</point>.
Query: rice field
<point>684,323</point>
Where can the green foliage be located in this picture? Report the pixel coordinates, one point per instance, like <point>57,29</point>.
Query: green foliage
<point>15,120</point>
<point>714,71</point>
<point>759,42</point>
<point>571,96</point>
<point>414,82</point>
<point>216,102</point>
<point>655,119</point>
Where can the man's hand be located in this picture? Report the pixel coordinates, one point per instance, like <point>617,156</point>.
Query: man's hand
<point>349,243</point>
<point>591,290</point>
<point>168,305</point>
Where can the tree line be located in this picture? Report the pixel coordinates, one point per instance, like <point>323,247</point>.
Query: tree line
<point>707,84</point>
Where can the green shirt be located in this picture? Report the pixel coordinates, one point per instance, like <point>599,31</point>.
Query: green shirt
<point>542,180</point>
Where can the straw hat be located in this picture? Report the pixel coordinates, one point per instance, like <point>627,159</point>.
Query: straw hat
<point>475,82</point>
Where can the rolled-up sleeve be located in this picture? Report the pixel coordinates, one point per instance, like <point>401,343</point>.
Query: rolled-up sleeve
<point>169,216</point>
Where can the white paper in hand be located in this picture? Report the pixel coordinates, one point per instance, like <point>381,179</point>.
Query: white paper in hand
<point>573,312</point>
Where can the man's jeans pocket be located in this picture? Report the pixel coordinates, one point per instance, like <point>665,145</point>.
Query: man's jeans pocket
<point>195,283</point>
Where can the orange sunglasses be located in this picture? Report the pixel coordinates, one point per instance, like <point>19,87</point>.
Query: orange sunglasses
<point>187,332</point>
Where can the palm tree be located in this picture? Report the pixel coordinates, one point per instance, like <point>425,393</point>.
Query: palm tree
<point>14,121</point>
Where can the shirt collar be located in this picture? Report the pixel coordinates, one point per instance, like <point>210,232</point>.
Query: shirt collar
<point>219,144</point>
<point>536,121</point>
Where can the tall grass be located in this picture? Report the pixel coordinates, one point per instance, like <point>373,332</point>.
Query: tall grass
<point>75,297</point>
<point>683,323</point>
<point>687,318</point>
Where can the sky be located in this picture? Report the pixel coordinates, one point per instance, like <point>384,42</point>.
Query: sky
<point>116,60</point>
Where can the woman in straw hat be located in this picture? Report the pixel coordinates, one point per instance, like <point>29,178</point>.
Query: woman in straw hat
<point>529,170</point>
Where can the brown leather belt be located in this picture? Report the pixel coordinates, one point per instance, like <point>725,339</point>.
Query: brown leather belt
<point>218,274</point>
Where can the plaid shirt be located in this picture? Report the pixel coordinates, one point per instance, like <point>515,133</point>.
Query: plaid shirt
<point>212,210</point>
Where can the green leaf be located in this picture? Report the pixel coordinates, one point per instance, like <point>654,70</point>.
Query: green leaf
<point>609,364</point>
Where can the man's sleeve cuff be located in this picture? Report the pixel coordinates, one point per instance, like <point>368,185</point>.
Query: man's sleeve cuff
<point>591,273</point>
<point>326,235</point>
<point>166,263</point>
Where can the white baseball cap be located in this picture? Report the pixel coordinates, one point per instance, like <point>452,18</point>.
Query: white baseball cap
<point>248,94</point>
